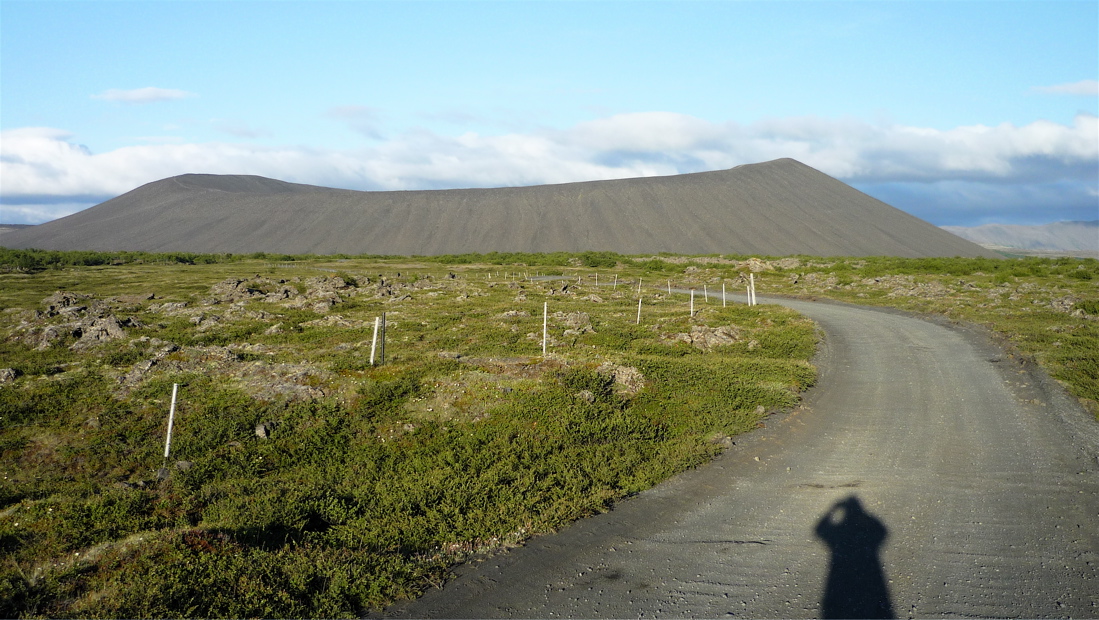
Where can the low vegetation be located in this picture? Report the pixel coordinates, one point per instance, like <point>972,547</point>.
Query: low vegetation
<point>304,481</point>
<point>1045,310</point>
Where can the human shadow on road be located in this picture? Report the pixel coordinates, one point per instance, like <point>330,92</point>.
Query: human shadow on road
<point>856,586</point>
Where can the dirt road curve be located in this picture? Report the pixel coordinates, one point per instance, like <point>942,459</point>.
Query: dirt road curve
<point>926,475</point>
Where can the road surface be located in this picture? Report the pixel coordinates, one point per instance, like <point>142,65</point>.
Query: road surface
<point>927,474</point>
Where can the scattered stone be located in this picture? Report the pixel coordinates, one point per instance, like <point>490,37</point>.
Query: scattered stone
<point>99,331</point>
<point>577,322</point>
<point>724,441</point>
<point>135,299</point>
<point>170,307</point>
<point>586,395</point>
<point>706,338</point>
<point>282,293</point>
<point>7,375</point>
<point>265,429</point>
<point>756,265</point>
<point>1064,304</point>
<point>334,320</point>
<point>65,301</point>
<point>184,465</point>
<point>627,378</point>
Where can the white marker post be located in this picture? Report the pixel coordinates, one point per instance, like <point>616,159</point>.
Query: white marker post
<point>692,302</point>
<point>545,324</point>
<point>374,341</point>
<point>638,311</point>
<point>748,291</point>
<point>381,355</point>
<point>669,288</point>
<point>615,287</point>
<point>171,420</point>
<point>723,294</point>
<point>752,280</point>
<point>705,294</point>
<point>639,286</point>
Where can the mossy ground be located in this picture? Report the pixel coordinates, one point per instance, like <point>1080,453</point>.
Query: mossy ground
<point>1042,309</point>
<point>467,439</point>
<point>367,493</point>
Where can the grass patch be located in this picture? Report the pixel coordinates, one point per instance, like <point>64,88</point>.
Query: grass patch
<point>363,483</point>
<point>1045,309</point>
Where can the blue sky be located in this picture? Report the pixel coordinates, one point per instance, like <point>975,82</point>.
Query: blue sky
<point>961,113</point>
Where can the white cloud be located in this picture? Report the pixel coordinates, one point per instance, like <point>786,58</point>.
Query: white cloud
<point>1088,88</point>
<point>43,162</point>
<point>148,94</point>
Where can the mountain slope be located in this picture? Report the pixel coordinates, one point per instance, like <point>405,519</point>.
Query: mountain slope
<point>776,208</point>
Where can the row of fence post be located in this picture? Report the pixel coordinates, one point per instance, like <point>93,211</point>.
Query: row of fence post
<point>377,343</point>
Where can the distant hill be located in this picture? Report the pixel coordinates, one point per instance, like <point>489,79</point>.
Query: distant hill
<point>1058,236</point>
<point>6,228</point>
<point>779,207</point>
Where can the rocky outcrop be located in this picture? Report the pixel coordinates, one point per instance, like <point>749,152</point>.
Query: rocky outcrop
<point>100,330</point>
<point>627,379</point>
<point>576,323</point>
<point>706,338</point>
<point>66,315</point>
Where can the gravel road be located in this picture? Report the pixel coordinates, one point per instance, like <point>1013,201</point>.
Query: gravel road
<point>927,474</point>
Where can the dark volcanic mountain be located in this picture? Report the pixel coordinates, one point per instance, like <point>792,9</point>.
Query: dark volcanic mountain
<point>774,208</point>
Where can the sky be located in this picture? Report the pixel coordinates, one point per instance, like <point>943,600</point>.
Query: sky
<point>960,113</point>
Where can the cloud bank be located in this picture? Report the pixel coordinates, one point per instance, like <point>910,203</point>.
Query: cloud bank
<point>1087,88</point>
<point>1041,171</point>
<point>148,94</point>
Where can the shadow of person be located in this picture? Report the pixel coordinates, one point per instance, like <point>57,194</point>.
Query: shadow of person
<point>856,585</point>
